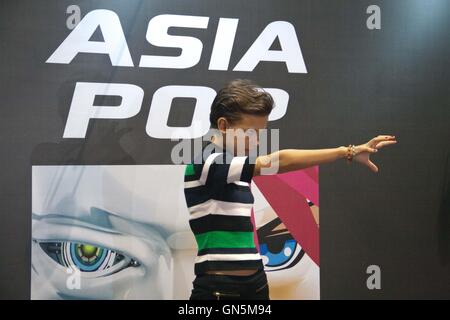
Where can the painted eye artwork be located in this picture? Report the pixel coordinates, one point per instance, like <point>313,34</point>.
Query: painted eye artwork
<point>87,258</point>
<point>277,246</point>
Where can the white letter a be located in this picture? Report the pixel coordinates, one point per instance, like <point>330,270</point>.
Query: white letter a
<point>77,41</point>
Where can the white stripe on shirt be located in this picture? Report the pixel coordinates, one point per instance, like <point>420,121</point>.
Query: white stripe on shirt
<point>197,183</point>
<point>206,166</point>
<point>227,257</point>
<point>192,184</point>
<point>213,206</point>
<point>236,165</point>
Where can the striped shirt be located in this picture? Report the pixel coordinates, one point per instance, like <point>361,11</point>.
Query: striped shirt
<point>219,200</point>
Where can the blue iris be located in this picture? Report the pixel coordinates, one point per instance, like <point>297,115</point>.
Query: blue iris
<point>93,264</point>
<point>278,258</point>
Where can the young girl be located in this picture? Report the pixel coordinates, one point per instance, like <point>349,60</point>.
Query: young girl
<point>217,190</point>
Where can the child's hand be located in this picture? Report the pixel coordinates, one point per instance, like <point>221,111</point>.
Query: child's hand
<point>363,151</point>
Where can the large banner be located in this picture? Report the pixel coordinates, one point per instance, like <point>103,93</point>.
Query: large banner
<point>122,232</point>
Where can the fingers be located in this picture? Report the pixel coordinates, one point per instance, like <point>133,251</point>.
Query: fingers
<point>370,150</point>
<point>384,143</point>
<point>372,166</point>
<point>386,137</point>
<point>383,138</point>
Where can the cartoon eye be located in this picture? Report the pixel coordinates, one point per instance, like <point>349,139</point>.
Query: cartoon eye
<point>86,257</point>
<point>277,246</point>
<point>275,259</point>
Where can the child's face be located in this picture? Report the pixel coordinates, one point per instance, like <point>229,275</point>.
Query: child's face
<point>247,122</point>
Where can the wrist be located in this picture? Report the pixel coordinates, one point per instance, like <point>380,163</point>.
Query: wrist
<point>349,152</point>
<point>342,152</point>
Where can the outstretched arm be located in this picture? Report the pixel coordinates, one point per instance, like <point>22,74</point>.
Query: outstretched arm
<point>294,159</point>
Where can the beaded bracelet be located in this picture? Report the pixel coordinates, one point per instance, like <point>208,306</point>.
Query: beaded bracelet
<point>350,152</point>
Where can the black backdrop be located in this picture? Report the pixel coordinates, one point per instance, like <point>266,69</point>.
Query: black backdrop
<point>360,83</point>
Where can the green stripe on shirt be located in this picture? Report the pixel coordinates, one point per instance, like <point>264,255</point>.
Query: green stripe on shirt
<point>189,171</point>
<point>225,239</point>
